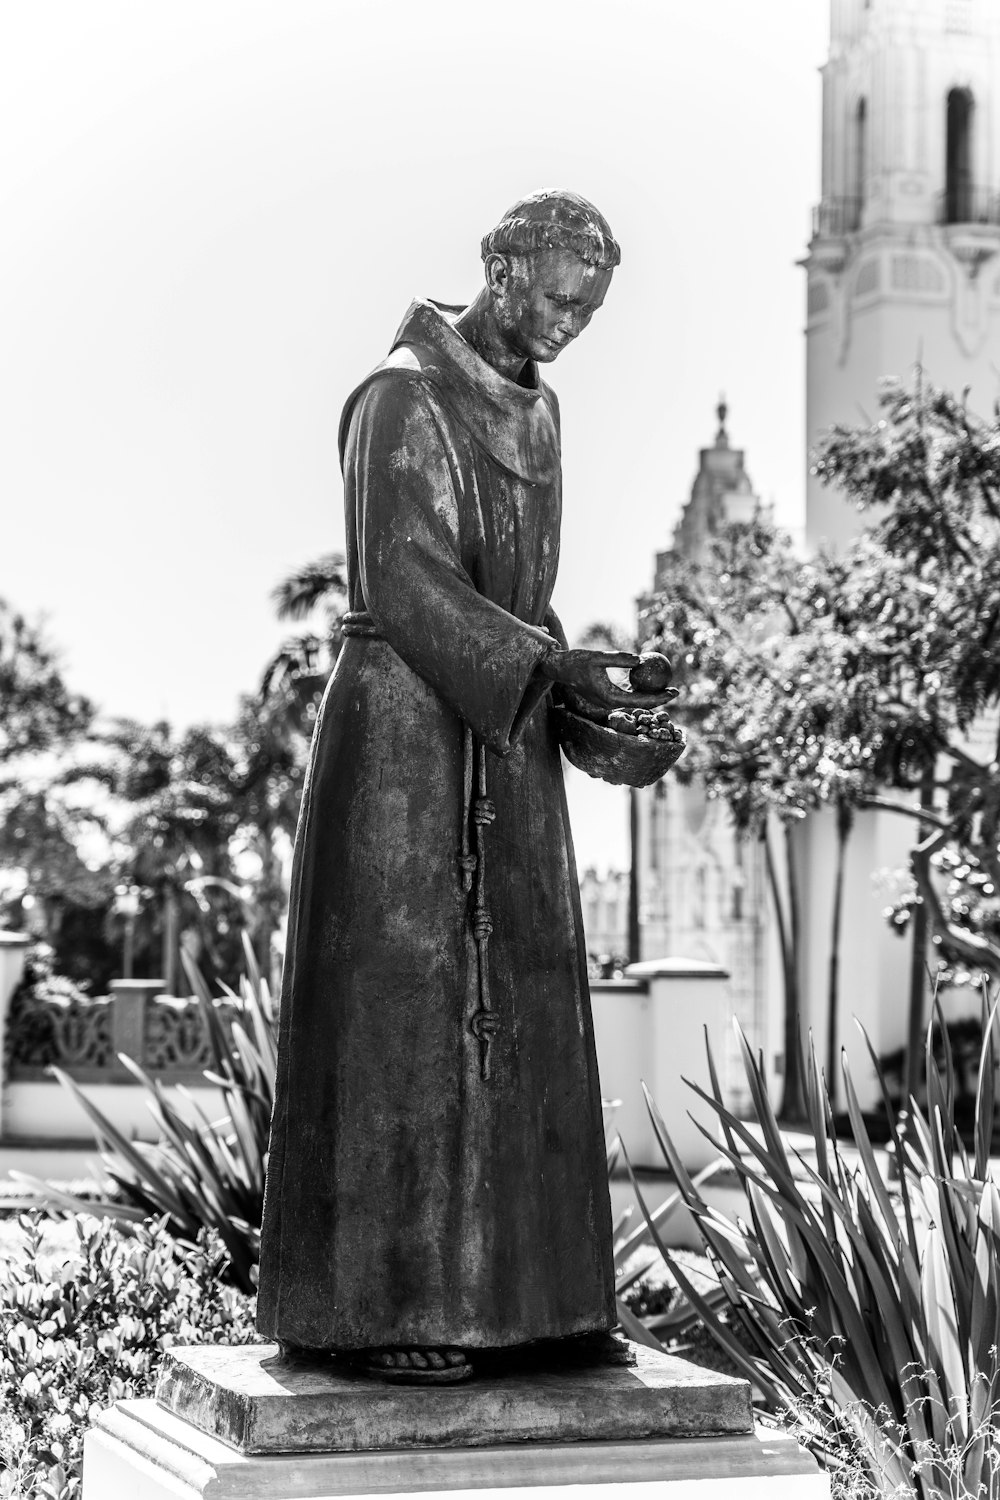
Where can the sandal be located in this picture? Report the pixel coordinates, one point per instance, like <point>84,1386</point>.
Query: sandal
<point>414,1366</point>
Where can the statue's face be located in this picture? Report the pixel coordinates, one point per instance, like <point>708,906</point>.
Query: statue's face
<point>545,300</point>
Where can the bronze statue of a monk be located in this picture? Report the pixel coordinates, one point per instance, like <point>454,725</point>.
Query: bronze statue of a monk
<point>437,1180</point>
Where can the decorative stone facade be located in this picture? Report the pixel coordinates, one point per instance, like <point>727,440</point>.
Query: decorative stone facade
<point>702,892</point>
<point>902,265</point>
<point>604,899</point>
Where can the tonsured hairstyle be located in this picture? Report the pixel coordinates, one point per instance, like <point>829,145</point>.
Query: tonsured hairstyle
<point>555,221</point>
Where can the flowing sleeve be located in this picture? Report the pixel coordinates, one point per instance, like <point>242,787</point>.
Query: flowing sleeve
<point>400,487</point>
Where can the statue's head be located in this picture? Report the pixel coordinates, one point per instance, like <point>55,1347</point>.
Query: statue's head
<point>548,266</point>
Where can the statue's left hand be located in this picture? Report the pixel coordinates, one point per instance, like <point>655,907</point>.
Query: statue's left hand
<point>585,673</point>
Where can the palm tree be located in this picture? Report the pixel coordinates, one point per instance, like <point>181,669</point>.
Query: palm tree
<point>173,801</point>
<point>320,582</point>
<point>300,668</point>
<point>274,728</point>
<point>272,750</point>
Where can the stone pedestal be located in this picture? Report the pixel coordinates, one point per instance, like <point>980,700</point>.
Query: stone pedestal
<point>238,1424</point>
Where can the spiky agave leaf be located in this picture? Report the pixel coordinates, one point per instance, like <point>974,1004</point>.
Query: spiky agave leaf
<point>202,1172</point>
<point>873,1311</point>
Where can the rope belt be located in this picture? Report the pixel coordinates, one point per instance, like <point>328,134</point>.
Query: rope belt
<point>480,812</point>
<point>359,622</point>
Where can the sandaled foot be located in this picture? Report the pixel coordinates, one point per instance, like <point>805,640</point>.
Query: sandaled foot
<point>414,1366</point>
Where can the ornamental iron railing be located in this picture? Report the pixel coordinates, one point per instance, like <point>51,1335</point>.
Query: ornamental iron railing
<point>961,203</point>
<point>964,203</point>
<point>835,217</point>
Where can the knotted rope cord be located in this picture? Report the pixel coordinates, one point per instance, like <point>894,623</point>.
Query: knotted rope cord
<point>466,861</point>
<point>485,1022</point>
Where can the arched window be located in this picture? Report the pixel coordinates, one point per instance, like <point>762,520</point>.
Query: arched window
<point>859,176</point>
<point>959,207</point>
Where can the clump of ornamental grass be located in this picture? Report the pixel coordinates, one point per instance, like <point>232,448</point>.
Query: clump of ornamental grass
<point>203,1173</point>
<point>863,1470</point>
<point>868,1310</point>
<point>77,1336</point>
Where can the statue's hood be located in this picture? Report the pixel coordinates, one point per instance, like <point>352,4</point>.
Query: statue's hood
<point>516,423</point>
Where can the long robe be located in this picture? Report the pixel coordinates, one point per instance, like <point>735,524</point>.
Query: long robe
<point>411,1199</point>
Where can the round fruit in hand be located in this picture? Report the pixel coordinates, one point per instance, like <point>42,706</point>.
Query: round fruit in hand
<point>652,673</point>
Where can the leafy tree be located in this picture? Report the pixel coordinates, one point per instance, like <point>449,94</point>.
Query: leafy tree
<point>929,472</point>
<point>845,681</point>
<point>190,808</point>
<point>170,805</point>
<point>605,635</point>
<point>55,868</point>
<point>39,711</point>
<point>188,816</point>
<point>748,633</point>
<point>41,837</point>
<point>929,475</point>
<point>271,751</point>
<point>273,731</point>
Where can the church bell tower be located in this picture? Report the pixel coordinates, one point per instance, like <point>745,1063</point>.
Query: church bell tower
<point>904,261</point>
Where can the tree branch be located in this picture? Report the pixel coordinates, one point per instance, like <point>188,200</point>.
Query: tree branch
<point>966,945</point>
<point>989,499</point>
<point>942,515</point>
<point>988,852</point>
<point>964,759</point>
<point>936,841</point>
<point>909,810</point>
<point>779,910</point>
<point>793,620</point>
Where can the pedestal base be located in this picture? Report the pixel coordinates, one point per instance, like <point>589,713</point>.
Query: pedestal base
<point>330,1434</point>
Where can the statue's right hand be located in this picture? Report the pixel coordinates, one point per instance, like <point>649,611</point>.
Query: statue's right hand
<point>586,673</point>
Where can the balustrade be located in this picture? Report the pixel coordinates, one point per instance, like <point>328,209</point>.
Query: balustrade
<point>836,217</point>
<point>965,203</point>
<point>167,1037</point>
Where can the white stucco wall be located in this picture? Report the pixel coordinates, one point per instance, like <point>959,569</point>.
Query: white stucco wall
<point>42,1111</point>
<point>653,1032</point>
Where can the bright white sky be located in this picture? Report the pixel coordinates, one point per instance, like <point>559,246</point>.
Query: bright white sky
<point>215,213</point>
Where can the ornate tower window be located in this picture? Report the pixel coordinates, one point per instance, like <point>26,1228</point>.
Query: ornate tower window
<point>959,207</point>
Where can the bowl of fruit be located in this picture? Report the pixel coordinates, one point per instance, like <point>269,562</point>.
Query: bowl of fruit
<point>627,747</point>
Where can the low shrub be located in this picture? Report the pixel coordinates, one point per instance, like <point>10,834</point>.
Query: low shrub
<point>872,1308</point>
<point>78,1336</point>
